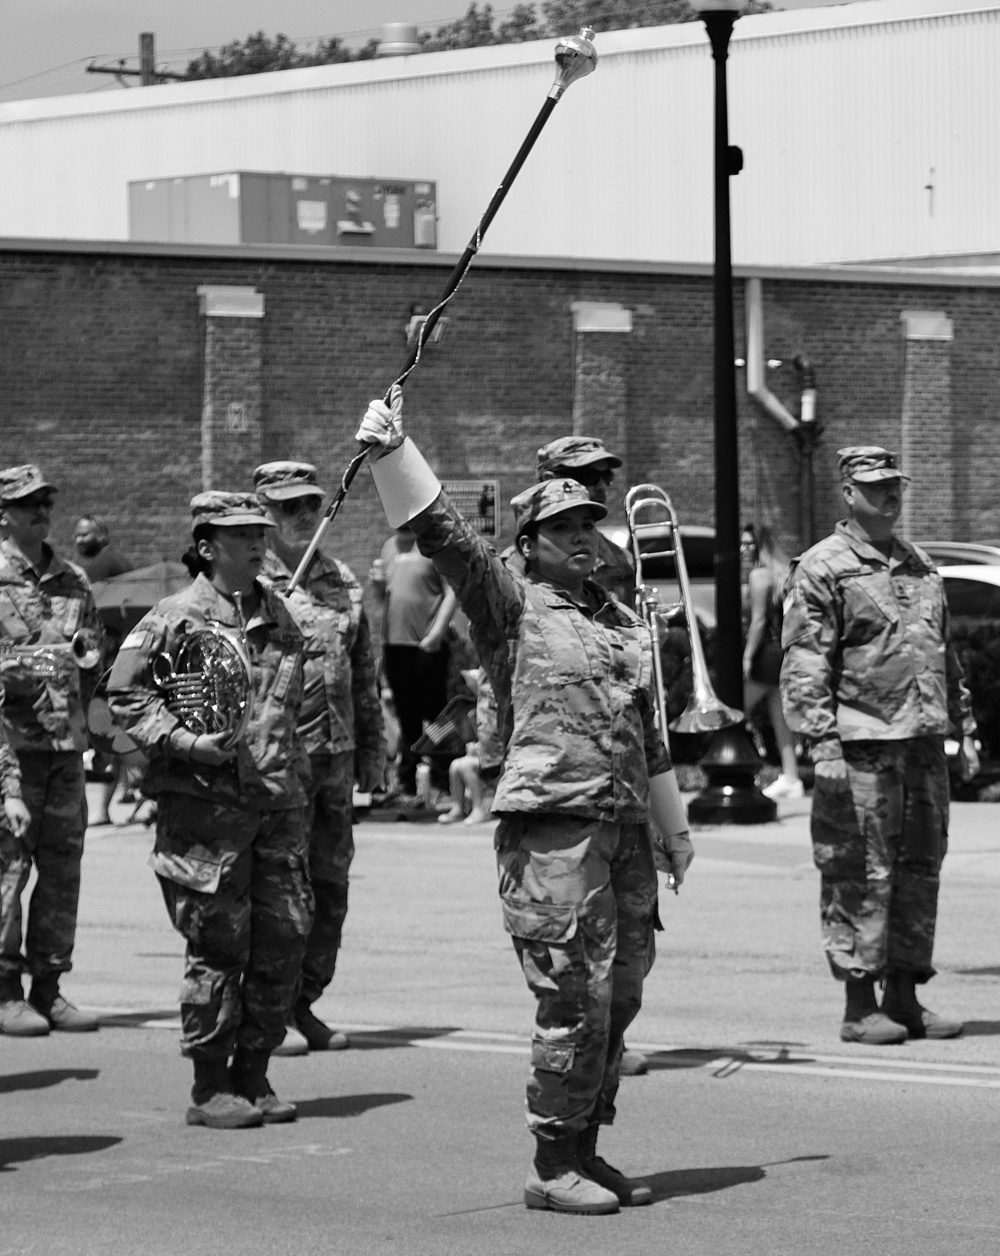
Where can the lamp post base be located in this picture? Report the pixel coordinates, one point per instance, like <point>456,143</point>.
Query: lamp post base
<point>731,795</point>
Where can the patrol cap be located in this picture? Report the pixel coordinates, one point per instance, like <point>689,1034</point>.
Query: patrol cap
<point>549,498</point>
<point>227,510</point>
<point>280,481</point>
<point>17,482</point>
<point>572,451</point>
<point>867,464</point>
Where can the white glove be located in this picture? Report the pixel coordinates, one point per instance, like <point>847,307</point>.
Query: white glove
<point>673,856</point>
<point>382,425</point>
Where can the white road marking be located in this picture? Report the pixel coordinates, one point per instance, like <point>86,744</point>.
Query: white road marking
<point>721,1064</point>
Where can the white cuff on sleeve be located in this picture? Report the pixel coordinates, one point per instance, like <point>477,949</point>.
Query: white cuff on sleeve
<point>666,805</point>
<point>405,483</point>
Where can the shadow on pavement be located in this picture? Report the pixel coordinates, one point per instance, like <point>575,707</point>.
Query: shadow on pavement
<point>680,1182</point>
<point>729,1057</point>
<point>401,1036</point>
<point>20,1150</point>
<point>993,971</point>
<point>347,1105</point>
<point>126,1020</point>
<point>981,1029</point>
<point>45,1077</point>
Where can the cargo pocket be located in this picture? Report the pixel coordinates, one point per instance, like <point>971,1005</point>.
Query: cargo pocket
<point>552,1057</point>
<point>203,875</point>
<point>539,922</point>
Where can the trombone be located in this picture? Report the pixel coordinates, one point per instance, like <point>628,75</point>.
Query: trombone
<point>652,518</point>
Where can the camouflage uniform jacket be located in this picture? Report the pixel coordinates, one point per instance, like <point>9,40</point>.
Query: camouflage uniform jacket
<point>867,654</point>
<point>10,771</point>
<point>573,690</point>
<point>45,714</point>
<point>271,767</point>
<point>341,708</point>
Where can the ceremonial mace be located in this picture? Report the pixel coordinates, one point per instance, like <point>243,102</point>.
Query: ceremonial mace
<point>575,58</point>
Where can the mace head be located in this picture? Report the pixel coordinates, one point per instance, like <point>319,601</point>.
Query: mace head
<point>576,57</point>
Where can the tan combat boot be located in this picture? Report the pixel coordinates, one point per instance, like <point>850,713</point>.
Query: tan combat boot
<point>863,1022</point>
<point>57,1010</point>
<point>900,1004</point>
<point>631,1193</point>
<point>213,1103</point>
<point>557,1182</point>
<point>17,1018</point>
<point>249,1078</point>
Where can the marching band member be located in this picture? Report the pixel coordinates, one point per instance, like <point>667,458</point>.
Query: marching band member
<point>230,841</point>
<point>584,772</point>
<point>44,602</point>
<point>340,723</point>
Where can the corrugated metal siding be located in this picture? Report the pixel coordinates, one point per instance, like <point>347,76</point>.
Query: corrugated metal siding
<point>841,126</point>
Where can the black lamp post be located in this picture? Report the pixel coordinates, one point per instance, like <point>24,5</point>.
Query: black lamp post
<point>731,763</point>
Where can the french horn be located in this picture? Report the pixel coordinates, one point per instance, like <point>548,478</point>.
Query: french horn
<point>209,685</point>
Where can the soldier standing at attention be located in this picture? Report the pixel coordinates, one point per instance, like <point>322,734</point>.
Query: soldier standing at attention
<point>44,601</point>
<point>872,681</point>
<point>230,844</point>
<point>587,802</point>
<point>340,724</point>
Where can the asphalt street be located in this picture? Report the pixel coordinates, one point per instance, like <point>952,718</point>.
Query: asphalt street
<point>757,1129</point>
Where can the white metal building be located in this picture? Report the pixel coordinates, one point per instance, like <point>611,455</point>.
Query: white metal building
<point>868,132</point>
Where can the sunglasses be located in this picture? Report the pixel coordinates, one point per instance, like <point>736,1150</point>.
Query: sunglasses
<point>589,476</point>
<point>36,501</point>
<point>292,507</point>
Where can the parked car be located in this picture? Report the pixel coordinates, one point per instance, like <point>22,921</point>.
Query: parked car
<point>951,553</point>
<point>660,573</point>
<point>972,590</point>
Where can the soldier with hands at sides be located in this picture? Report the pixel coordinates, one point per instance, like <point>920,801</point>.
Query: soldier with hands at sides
<point>586,799</point>
<point>871,681</point>
<point>340,723</point>
<point>46,608</point>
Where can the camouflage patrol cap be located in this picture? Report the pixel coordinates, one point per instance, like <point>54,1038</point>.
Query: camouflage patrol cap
<point>17,482</point>
<point>228,510</point>
<point>867,464</point>
<point>280,481</point>
<point>572,451</point>
<point>551,497</point>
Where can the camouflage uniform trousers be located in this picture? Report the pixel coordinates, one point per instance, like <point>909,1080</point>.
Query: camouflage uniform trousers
<point>579,899</point>
<point>879,840</point>
<point>245,928</point>
<point>331,849</point>
<point>54,791</point>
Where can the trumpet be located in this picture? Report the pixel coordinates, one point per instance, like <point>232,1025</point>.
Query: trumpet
<point>47,660</point>
<point>652,518</point>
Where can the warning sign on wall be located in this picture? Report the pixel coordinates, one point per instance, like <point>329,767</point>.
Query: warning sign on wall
<point>477,500</point>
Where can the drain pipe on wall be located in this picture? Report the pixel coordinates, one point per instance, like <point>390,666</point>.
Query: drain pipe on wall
<point>803,428</point>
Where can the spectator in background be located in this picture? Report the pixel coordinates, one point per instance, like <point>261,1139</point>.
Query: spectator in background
<point>101,560</point>
<point>419,607</point>
<point>762,653</point>
<point>94,551</point>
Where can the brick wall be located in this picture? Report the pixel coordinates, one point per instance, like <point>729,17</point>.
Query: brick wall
<point>106,358</point>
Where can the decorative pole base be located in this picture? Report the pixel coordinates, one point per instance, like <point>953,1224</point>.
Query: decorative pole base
<point>731,795</point>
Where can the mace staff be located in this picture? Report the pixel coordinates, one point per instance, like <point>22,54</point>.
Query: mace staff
<point>575,58</point>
